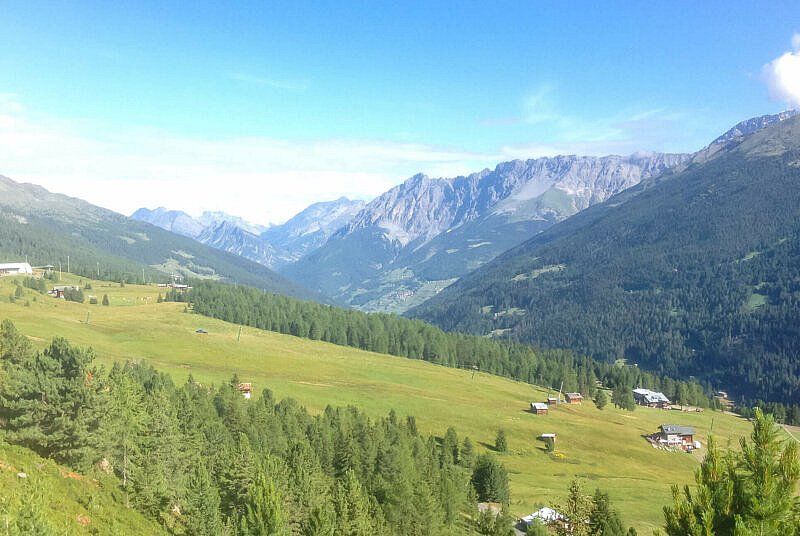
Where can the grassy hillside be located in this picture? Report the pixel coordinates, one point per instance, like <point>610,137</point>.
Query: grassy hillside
<point>69,503</point>
<point>604,447</point>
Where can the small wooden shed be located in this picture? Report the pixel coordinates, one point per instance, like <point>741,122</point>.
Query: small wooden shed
<point>574,398</point>
<point>539,408</point>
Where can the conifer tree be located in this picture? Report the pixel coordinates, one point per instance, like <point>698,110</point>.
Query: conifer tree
<point>603,520</point>
<point>601,399</point>
<point>576,509</point>
<point>125,423</point>
<point>490,480</point>
<point>263,514</point>
<point>500,441</point>
<point>201,509</point>
<point>466,457</point>
<point>750,492</point>
<point>353,516</point>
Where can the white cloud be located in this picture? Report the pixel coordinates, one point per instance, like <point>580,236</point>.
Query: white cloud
<point>782,75</point>
<point>260,179</point>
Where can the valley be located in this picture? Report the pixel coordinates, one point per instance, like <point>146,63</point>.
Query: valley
<point>604,447</point>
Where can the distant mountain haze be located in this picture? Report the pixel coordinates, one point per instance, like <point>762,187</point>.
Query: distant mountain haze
<point>274,246</point>
<point>49,228</point>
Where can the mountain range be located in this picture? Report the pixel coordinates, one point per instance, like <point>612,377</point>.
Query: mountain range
<point>274,246</point>
<point>691,273</point>
<point>414,240</point>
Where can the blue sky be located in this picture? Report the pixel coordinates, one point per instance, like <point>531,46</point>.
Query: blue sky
<point>190,104</point>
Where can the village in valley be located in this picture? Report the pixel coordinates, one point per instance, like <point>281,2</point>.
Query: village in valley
<point>669,437</point>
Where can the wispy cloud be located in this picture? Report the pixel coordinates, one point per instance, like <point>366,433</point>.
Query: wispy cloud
<point>261,179</point>
<point>782,75</point>
<point>275,83</point>
<point>541,107</point>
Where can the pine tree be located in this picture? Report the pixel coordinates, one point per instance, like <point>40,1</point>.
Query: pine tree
<point>466,457</point>
<point>125,424</point>
<point>745,493</point>
<point>201,509</point>
<point>105,299</point>
<point>490,480</point>
<point>603,520</point>
<point>263,515</point>
<point>576,509</point>
<point>601,399</point>
<point>353,516</point>
<point>500,441</point>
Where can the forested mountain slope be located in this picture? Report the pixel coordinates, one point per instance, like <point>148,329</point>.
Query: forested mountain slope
<point>45,228</point>
<point>692,274</point>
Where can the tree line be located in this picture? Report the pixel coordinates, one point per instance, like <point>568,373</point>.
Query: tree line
<point>415,339</point>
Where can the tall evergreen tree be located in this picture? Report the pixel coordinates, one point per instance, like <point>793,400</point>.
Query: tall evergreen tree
<point>353,512</point>
<point>263,515</point>
<point>201,510</point>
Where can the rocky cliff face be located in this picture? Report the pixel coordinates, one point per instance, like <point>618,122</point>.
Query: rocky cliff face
<point>431,231</point>
<point>749,126</point>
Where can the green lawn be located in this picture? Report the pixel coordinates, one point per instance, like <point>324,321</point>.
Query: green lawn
<point>605,447</point>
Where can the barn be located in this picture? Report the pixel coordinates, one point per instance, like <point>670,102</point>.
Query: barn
<point>15,268</point>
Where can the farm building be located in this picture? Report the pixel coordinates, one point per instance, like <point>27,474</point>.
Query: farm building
<point>546,515</point>
<point>246,389</point>
<point>552,400</point>
<point>652,399</point>
<point>539,408</point>
<point>574,398</point>
<point>15,268</point>
<point>675,434</point>
<point>58,292</point>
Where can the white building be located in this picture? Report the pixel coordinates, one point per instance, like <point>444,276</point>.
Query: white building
<point>545,515</point>
<point>15,268</point>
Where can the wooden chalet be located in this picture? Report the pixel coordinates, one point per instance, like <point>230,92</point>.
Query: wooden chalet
<point>539,408</point>
<point>551,400</point>
<point>573,398</point>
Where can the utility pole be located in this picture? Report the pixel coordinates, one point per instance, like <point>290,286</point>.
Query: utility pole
<point>239,335</point>
<point>87,318</point>
<point>59,270</point>
<point>68,264</point>
<point>98,269</point>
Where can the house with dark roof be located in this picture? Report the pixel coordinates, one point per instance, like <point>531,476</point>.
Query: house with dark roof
<point>676,434</point>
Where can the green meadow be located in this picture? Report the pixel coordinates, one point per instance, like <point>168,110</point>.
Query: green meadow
<point>605,447</point>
